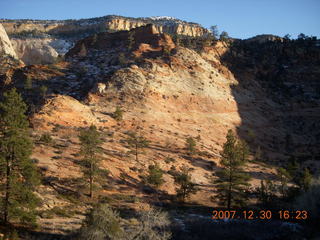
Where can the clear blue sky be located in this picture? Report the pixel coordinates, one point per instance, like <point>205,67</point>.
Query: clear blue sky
<point>240,18</point>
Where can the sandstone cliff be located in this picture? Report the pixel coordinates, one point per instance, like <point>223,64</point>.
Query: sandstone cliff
<point>5,44</point>
<point>34,40</point>
<point>168,92</point>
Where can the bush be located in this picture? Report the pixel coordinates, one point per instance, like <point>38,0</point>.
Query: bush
<point>46,138</point>
<point>154,176</point>
<point>118,114</point>
<point>101,223</point>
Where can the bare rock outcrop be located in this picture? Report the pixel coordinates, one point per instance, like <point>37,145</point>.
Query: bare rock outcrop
<point>5,44</point>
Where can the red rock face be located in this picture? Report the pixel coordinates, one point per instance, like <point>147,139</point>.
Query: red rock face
<point>142,35</point>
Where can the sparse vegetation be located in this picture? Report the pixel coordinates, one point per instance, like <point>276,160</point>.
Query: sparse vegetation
<point>185,186</point>
<point>136,142</point>
<point>191,145</point>
<point>90,148</point>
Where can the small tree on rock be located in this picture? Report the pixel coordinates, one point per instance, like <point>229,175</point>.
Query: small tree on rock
<point>90,143</point>
<point>232,181</point>
<point>191,145</point>
<point>186,186</point>
<point>155,175</point>
<point>137,142</point>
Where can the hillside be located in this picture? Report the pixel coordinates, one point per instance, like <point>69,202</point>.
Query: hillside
<point>267,92</point>
<point>42,41</point>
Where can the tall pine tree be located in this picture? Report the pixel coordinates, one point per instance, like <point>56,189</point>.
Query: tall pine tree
<point>17,171</point>
<point>90,143</point>
<point>232,181</point>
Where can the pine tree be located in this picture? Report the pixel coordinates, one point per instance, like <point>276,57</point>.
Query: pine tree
<point>284,178</point>
<point>137,142</point>
<point>186,186</point>
<point>90,148</point>
<point>18,172</point>
<point>155,175</point>
<point>191,145</point>
<point>232,181</point>
<point>305,180</point>
<point>118,114</point>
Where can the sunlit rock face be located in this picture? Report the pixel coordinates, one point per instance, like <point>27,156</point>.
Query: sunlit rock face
<point>5,44</point>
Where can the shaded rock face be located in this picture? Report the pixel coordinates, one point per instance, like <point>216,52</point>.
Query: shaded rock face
<point>5,44</point>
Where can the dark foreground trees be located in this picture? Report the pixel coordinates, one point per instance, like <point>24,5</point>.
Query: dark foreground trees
<point>232,181</point>
<point>17,171</point>
<point>185,186</point>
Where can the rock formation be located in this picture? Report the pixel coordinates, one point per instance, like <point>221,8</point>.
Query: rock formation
<point>5,44</point>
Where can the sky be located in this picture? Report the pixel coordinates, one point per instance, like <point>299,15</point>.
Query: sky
<point>240,18</point>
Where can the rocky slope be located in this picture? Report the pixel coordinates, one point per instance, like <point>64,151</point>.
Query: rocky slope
<point>168,92</point>
<point>38,41</point>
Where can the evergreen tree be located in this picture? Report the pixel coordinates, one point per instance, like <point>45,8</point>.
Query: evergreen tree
<point>186,186</point>
<point>118,114</point>
<point>224,36</point>
<point>284,178</point>
<point>155,175</point>
<point>18,172</point>
<point>305,180</point>
<point>214,32</point>
<point>191,145</point>
<point>232,181</point>
<point>90,148</point>
<point>137,142</point>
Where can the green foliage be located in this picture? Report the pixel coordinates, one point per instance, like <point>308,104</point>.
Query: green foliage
<point>214,31</point>
<point>136,142</point>
<point>284,177</point>
<point>90,143</point>
<point>305,180</point>
<point>155,175</point>
<point>101,223</point>
<point>46,139</point>
<point>232,181</point>
<point>18,172</point>
<point>266,192</point>
<point>191,145</point>
<point>118,114</point>
<point>224,36</point>
<point>186,186</point>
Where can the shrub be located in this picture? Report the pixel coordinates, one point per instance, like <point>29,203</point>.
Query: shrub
<point>154,176</point>
<point>46,138</point>
<point>101,223</point>
<point>118,114</point>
